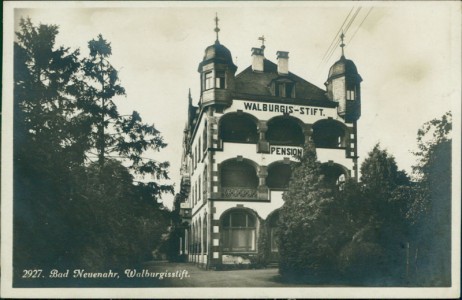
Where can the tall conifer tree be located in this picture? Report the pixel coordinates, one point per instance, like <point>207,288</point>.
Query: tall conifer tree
<point>305,244</point>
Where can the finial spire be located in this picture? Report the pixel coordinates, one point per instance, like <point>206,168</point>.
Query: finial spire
<point>217,29</point>
<point>189,97</point>
<point>262,39</point>
<point>342,44</point>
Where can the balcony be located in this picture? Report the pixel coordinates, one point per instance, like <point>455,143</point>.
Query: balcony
<point>239,193</point>
<point>185,212</point>
<point>337,155</point>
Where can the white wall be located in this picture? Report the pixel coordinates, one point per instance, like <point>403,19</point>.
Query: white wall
<point>263,209</point>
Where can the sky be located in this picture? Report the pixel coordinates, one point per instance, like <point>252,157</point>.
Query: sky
<point>407,53</point>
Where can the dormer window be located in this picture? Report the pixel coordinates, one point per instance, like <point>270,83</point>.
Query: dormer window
<point>279,90</point>
<point>289,90</point>
<point>283,88</point>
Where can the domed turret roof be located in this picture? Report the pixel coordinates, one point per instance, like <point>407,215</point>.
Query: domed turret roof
<point>217,53</point>
<point>343,67</point>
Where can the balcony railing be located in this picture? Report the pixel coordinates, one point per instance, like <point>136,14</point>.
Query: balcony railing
<point>239,192</point>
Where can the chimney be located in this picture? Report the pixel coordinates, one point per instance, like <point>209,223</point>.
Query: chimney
<point>257,59</point>
<point>283,62</point>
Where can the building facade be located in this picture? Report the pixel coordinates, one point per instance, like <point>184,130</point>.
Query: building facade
<point>238,144</point>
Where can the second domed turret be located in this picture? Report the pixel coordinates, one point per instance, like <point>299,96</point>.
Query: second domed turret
<point>217,74</point>
<point>343,67</point>
<point>344,87</point>
<point>217,53</point>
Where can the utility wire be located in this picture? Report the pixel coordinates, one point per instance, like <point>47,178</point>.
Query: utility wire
<point>344,32</point>
<point>360,25</point>
<point>334,43</point>
<point>335,37</point>
<point>352,20</point>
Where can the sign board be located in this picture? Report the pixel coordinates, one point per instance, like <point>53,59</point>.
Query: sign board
<point>286,151</point>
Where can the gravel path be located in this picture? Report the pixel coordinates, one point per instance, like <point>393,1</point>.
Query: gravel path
<point>202,278</point>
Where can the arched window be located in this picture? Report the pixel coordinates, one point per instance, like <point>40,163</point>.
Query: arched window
<point>238,128</point>
<point>191,240</point>
<point>238,180</point>
<point>278,176</point>
<point>334,175</point>
<point>273,223</point>
<point>329,134</point>
<point>199,237</point>
<point>238,231</point>
<point>238,174</point>
<point>188,239</point>
<point>285,131</point>
<point>204,234</point>
<point>204,184</point>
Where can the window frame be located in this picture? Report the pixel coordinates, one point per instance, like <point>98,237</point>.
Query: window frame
<point>229,233</point>
<point>220,80</point>
<point>281,88</point>
<point>208,80</point>
<point>351,95</point>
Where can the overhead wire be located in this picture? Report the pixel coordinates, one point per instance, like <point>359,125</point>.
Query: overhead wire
<point>332,44</point>
<point>336,40</point>
<point>335,37</point>
<point>360,24</point>
<point>352,19</point>
<point>344,32</point>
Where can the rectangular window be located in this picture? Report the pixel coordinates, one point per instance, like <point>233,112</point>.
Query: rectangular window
<point>289,90</point>
<point>220,80</point>
<point>280,89</point>
<point>284,89</point>
<point>350,95</point>
<point>195,157</point>
<point>190,199</point>
<point>204,138</point>
<point>195,192</point>
<point>199,147</point>
<point>208,81</point>
<point>192,196</point>
<point>204,185</point>
<point>199,183</point>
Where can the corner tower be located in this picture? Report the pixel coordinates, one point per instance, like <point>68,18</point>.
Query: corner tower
<point>217,74</point>
<point>344,87</point>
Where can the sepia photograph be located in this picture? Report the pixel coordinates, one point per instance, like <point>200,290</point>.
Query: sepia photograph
<point>170,149</point>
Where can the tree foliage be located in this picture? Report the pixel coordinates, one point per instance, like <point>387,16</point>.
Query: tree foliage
<point>328,232</point>
<point>115,135</point>
<point>68,209</point>
<point>49,141</point>
<point>305,246</point>
<point>379,235</point>
<point>430,211</point>
<point>383,230</point>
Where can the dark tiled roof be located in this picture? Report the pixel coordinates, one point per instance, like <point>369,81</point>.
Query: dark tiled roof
<point>343,67</point>
<point>217,53</point>
<point>257,85</point>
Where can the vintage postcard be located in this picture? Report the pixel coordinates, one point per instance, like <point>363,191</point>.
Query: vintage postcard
<point>277,149</point>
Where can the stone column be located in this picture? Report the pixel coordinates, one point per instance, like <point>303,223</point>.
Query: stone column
<point>263,145</point>
<point>262,191</point>
<point>307,132</point>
